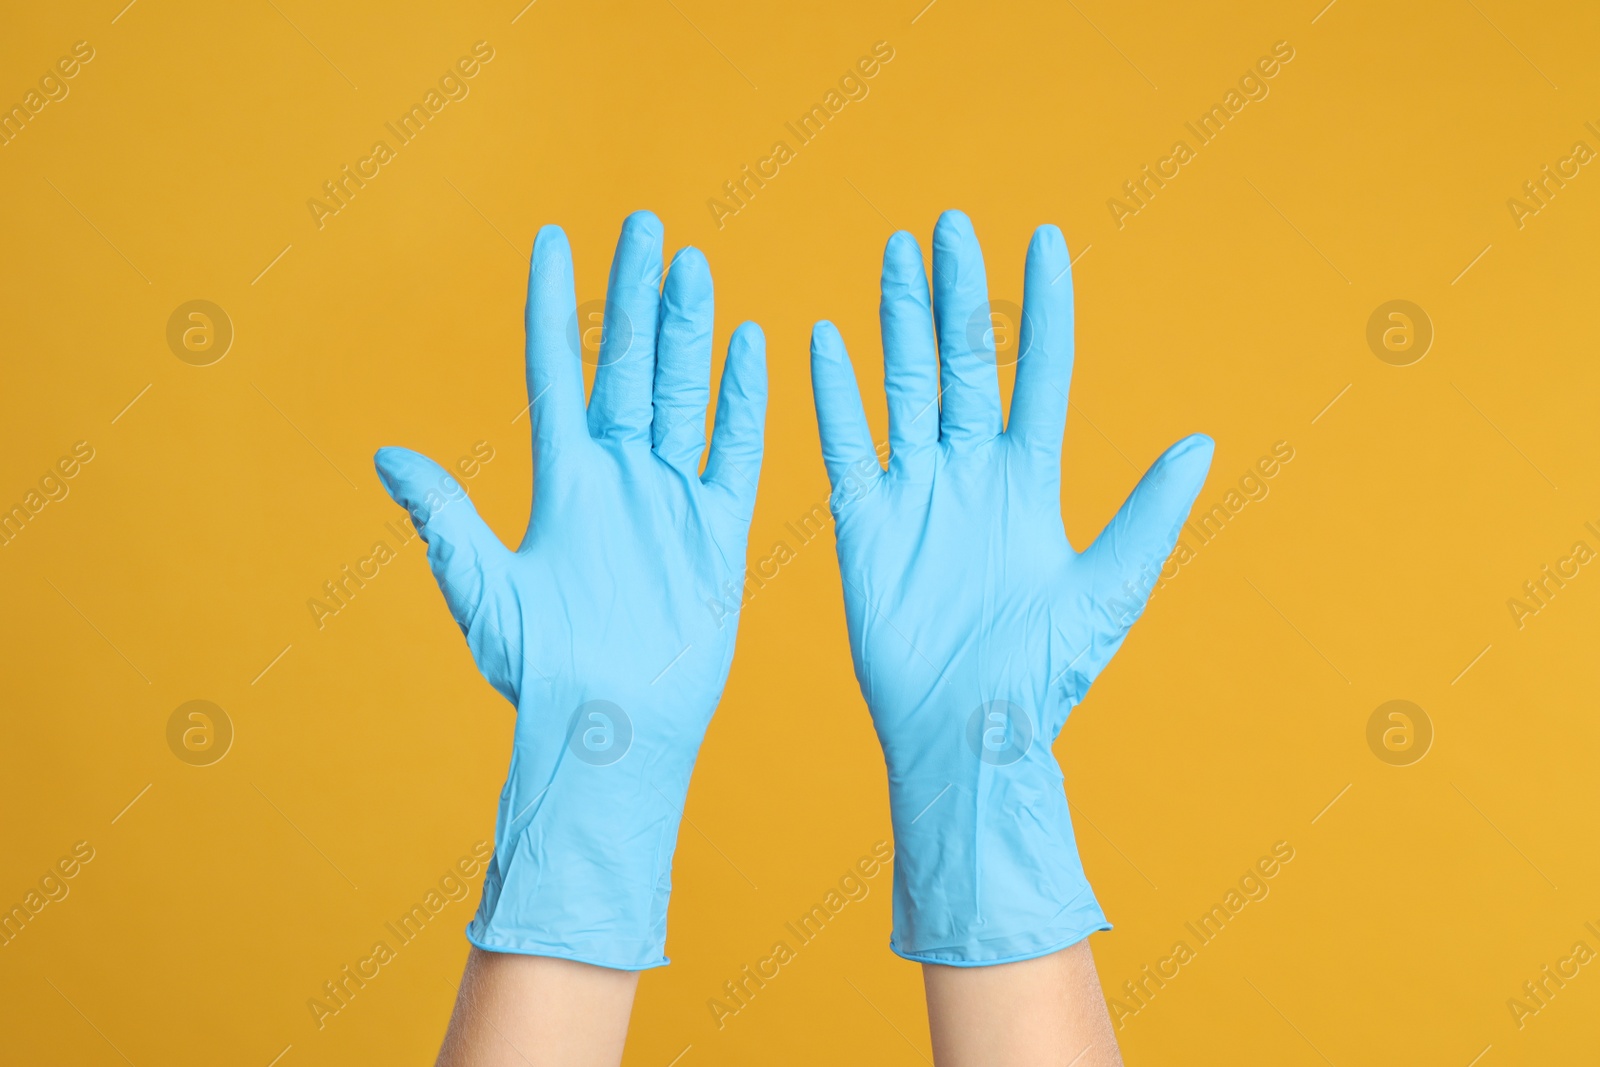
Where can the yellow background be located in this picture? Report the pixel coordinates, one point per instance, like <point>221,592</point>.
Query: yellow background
<point>369,757</point>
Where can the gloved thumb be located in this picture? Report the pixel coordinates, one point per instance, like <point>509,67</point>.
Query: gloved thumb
<point>462,550</point>
<point>1128,555</point>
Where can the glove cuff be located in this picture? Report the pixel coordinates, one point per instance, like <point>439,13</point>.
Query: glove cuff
<point>582,868</point>
<point>566,922</point>
<point>989,872</point>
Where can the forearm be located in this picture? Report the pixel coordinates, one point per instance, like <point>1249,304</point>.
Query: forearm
<point>537,1011</point>
<point>1044,1010</point>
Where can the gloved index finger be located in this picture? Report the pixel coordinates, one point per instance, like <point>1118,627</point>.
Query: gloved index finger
<point>683,362</point>
<point>1044,366</point>
<point>554,369</point>
<point>847,449</point>
<point>910,360</point>
<point>734,464</point>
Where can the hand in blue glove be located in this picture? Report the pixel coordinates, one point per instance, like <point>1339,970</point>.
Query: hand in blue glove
<point>597,628</point>
<point>974,624</point>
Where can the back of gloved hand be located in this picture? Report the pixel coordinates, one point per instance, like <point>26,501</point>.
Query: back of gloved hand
<point>597,626</point>
<point>974,624</point>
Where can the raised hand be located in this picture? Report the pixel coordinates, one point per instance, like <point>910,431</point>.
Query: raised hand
<point>597,627</point>
<point>975,626</point>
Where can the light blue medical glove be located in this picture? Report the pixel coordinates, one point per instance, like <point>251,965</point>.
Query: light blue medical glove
<point>598,627</point>
<point>974,624</point>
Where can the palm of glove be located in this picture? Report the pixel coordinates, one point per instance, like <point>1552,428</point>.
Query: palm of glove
<point>609,608</point>
<point>976,537</point>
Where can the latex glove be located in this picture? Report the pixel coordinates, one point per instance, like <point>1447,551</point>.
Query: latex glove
<point>975,626</point>
<point>597,628</point>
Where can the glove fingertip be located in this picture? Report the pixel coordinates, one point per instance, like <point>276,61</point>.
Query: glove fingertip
<point>1048,238</point>
<point>749,337</point>
<point>688,276</point>
<point>826,342</point>
<point>1197,442</point>
<point>387,462</point>
<point>901,252</point>
<point>953,225</point>
<point>1191,459</point>
<point>550,248</point>
<point>645,222</point>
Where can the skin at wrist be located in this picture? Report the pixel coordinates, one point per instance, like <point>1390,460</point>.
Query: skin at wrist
<point>518,1011</point>
<point>1045,1010</point>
